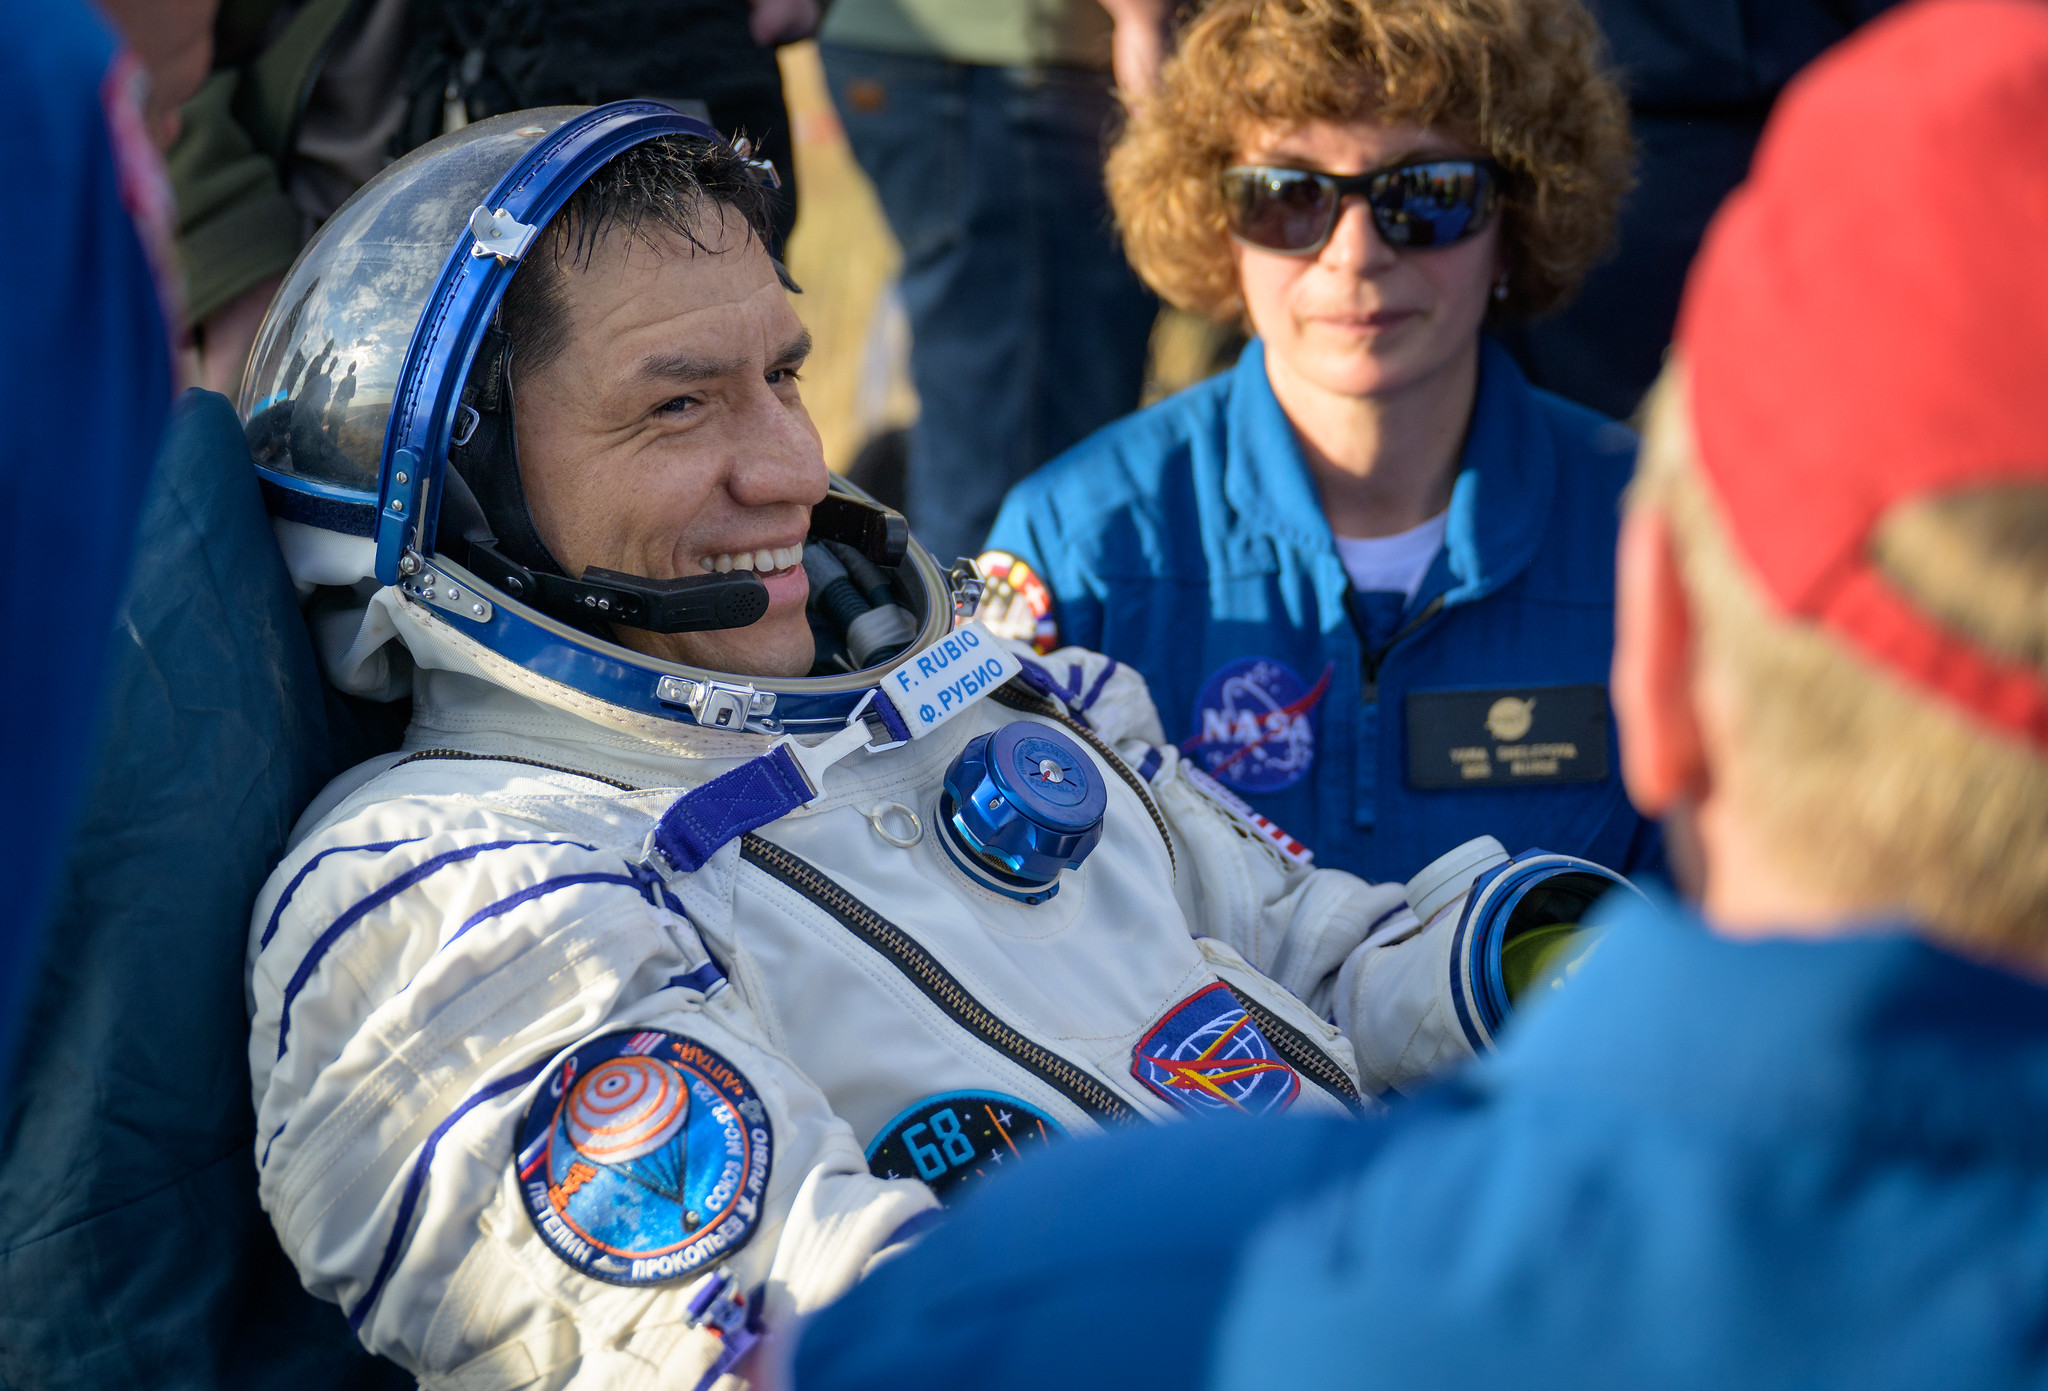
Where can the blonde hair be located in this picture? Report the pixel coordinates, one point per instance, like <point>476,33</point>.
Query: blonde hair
<point>1863,785</point>
<point>1523,80</point>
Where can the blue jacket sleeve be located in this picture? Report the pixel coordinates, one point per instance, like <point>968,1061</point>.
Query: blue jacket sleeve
<point>1031,528</point>
<point>1043,1270</point>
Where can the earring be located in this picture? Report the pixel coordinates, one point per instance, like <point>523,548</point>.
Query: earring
<point>1500,286</point>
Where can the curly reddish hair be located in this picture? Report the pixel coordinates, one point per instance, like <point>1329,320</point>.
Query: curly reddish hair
<point>1524,80</point>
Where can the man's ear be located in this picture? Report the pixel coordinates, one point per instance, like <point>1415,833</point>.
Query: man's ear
<point>1662,757</point>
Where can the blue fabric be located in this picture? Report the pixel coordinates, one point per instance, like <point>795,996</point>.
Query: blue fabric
<point>707,817</point>
<point>1115,1299</point>
<point>85,386</point>
<point>132,1250</point>
<point>1190,536</point>
<point>1700,76</point>
<point>1793,1164</point>
<point>1028,329</point>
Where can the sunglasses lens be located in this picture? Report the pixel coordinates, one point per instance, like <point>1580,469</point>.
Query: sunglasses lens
<point>1431,204</point>
<point>1279,209</point>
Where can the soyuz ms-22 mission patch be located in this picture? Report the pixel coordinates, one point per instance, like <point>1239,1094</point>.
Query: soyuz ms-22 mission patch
<point>645,1158</point>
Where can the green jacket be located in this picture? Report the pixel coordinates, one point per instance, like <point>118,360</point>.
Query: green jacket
<point>236,224</point>
<point>233,165</point>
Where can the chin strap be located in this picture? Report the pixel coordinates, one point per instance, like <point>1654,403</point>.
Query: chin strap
<point>496,539</point>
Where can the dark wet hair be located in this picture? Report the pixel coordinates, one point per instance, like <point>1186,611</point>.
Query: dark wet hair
<point>673,185</point>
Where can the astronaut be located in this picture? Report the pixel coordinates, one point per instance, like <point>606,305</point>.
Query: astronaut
<point>730,902</point>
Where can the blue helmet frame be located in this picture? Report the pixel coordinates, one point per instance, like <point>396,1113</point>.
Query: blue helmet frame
<point>445,341</point>
<point>402,523</point>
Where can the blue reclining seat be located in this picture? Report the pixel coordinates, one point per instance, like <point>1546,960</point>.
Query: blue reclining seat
<point>132,1250</point>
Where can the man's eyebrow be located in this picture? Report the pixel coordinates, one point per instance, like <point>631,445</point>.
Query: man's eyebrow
<point>690,367</point>
<point>795,350</point>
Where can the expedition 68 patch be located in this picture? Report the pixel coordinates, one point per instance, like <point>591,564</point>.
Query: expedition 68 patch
<point>955,1137</point>
<point>1255,725</point>
<point>644,1158</point>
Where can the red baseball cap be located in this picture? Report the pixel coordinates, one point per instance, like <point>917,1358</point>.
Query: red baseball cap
<point>1867,325</point>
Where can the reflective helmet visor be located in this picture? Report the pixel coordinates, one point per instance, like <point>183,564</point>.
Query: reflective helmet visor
<point>318,390</point>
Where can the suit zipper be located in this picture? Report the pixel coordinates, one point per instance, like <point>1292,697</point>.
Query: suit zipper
<point>1301,1053</point>
<point>939,984</point>
<point>923,970</point>
<point>464,754</point>
<point>895,945</point>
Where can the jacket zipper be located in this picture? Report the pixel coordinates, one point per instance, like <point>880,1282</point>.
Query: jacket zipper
<point>1029,702</point>
<point>924,971</point>
<point>1371,662</point>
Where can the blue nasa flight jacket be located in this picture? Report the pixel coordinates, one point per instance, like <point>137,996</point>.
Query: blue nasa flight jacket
<point>1706,1164</point>
<point>1189,542</point>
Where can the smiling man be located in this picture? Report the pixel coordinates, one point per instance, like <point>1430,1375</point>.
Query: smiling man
<point>657,985</point>
<point>657,359</point>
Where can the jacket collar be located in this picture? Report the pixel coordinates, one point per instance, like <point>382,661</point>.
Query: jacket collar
<point>1499,503</point>
<point>1876,1036</point>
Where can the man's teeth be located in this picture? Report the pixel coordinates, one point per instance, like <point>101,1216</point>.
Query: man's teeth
<point>760,562</point>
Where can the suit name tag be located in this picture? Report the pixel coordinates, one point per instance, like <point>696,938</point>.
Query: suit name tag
<point>1515,737</point>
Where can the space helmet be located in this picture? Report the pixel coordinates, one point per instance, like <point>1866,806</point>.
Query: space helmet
<point>379,362</point>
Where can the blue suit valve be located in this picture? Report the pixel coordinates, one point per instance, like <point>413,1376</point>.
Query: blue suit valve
<point>1020,805</point>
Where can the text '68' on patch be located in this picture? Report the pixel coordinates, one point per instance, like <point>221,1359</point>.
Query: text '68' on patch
<point>1521,737</point>
<point>954,1137</point>
<point>644,1158</point>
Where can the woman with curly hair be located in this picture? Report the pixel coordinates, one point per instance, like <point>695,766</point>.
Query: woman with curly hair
<point>1368,573</point>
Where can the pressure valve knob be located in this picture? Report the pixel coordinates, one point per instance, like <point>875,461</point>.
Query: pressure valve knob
<point>1020,805</point>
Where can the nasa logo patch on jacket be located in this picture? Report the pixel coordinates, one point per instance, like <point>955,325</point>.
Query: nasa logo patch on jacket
<point>1255,725</point>
<point>1208,1058</point>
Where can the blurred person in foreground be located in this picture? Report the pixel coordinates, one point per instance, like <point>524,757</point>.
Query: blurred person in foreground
<point>983,128</point>
<point>1365,573</point>
<point>87,310</point>
<point>1798,1139</point>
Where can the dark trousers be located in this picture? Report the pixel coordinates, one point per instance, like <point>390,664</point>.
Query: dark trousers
<point>1028,329</point>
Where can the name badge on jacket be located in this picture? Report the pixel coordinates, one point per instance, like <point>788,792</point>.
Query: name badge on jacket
<point>1522,736</point>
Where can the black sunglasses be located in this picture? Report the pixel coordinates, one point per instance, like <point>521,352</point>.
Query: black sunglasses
<point>1425,203</point>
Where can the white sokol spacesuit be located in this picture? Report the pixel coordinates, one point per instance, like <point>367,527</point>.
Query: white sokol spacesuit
<point>630,1007</point>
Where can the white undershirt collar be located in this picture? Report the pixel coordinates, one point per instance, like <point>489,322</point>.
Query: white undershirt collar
<point>1397,562</point>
